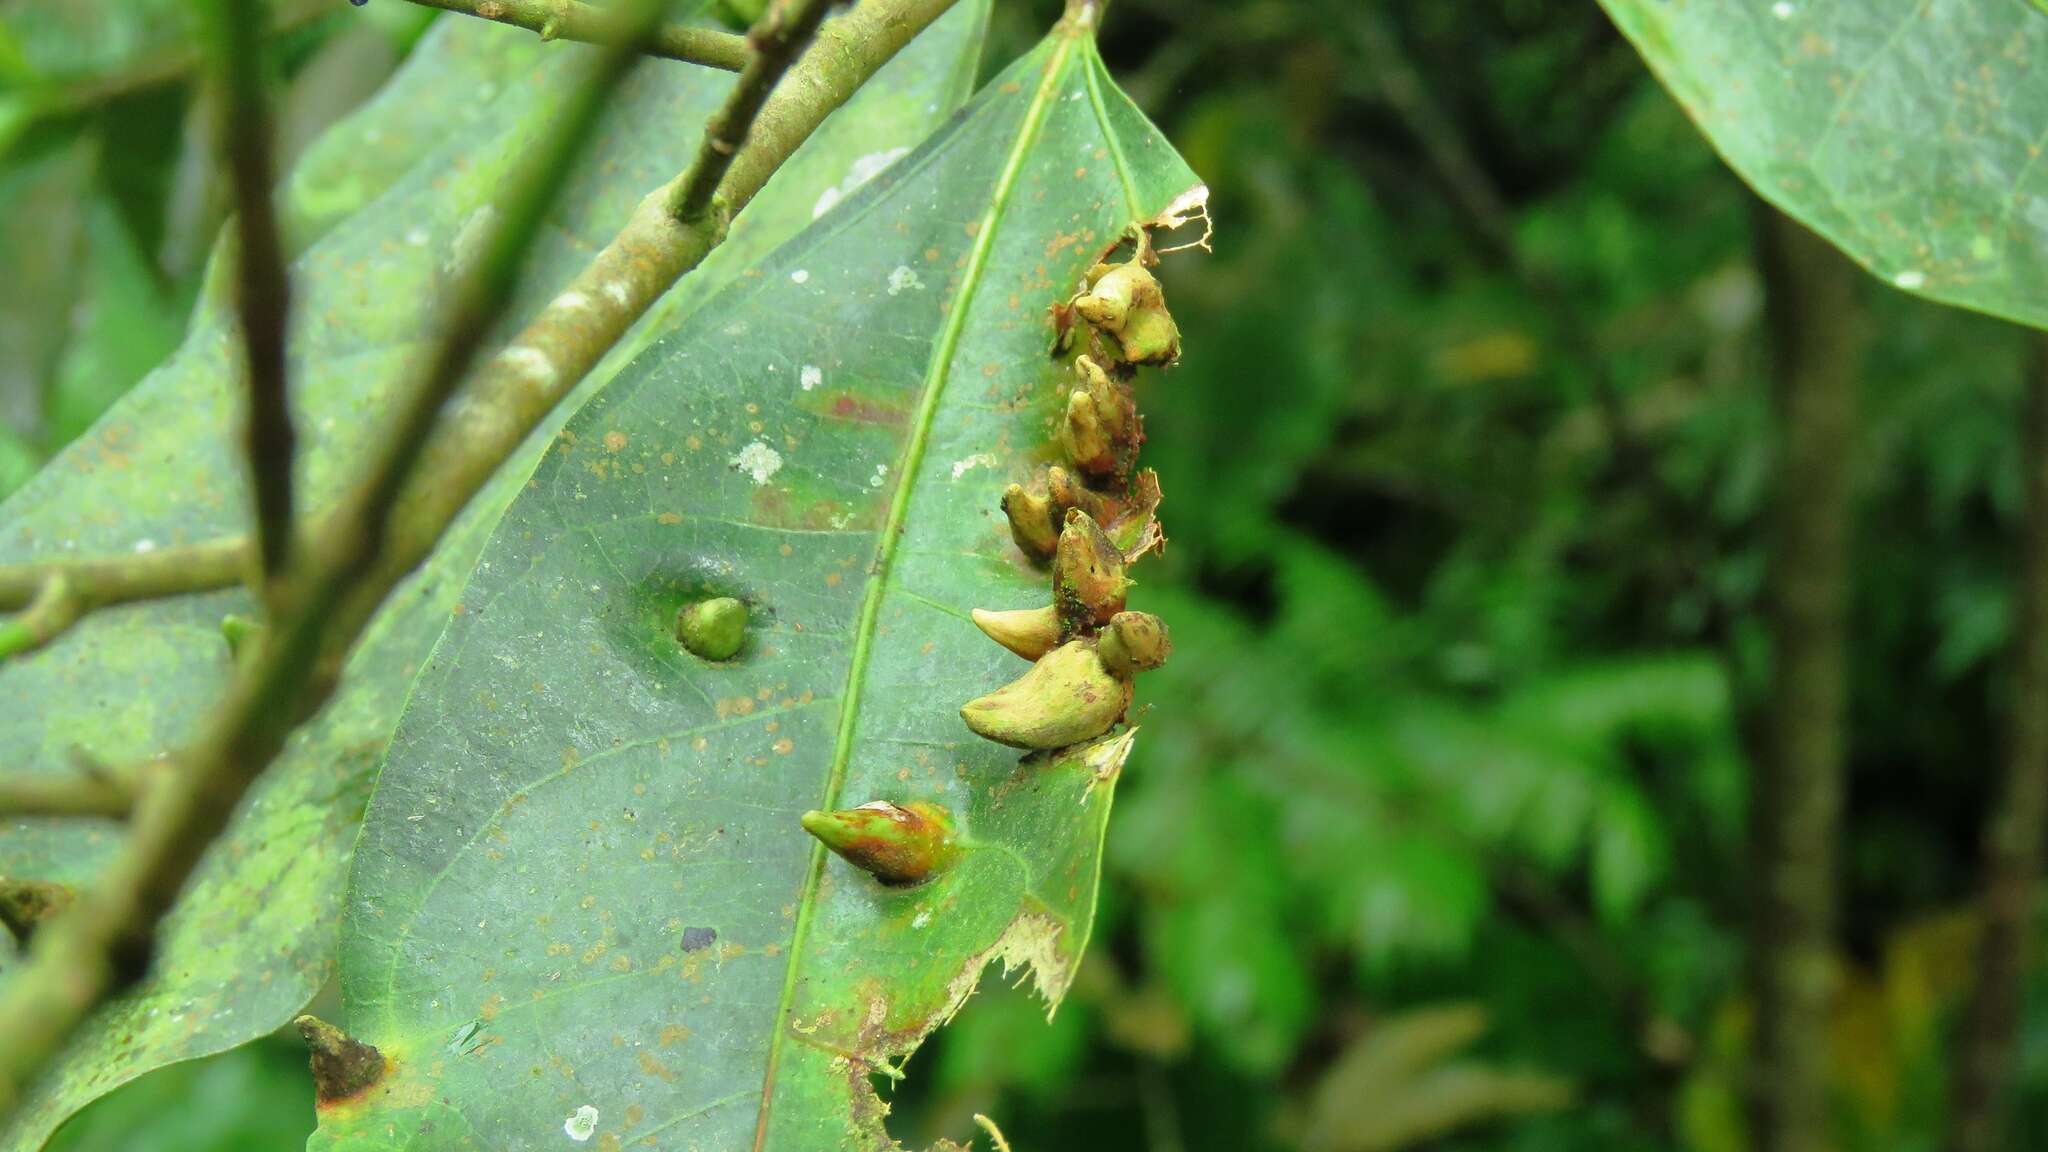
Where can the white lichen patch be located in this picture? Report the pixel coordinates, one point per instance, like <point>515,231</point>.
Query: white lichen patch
<point>572,300</point>
<point>469,239</point>
<point>810,377</point>
<point>1910,279</point>
<point>582,1125</point>
<point>617,293</point>
<point>903,276</point>
<point>529,362</point>
<point>966,464</point>
<point>863,169</point>
<point>800,276</point>
<point>758,460</point>
<point>923,917</point>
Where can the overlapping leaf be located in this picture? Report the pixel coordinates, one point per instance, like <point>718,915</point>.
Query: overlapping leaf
<point>583,906</point>
<point>382,202</point>
<point>1908,132</point>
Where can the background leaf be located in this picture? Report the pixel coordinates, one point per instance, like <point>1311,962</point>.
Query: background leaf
<point>1908,132</point>
<point>381,200</point>
<point>585,842</point>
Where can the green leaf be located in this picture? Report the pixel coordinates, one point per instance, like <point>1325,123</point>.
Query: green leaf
<point>1215,925</point>
<point>258,1096</point>
<point>1909,134</point>
<point>585,842</point>
<point>380,201</point>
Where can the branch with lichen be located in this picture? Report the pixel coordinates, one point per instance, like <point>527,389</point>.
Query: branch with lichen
<point>431,466</point>
<point>574,20</point>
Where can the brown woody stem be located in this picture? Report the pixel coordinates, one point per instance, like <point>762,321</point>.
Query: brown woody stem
<point>262,288</point>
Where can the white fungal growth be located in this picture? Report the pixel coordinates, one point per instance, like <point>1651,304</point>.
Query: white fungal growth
<point>864,169</point>
<point>759,461</point>
<point>810,377</point>
<point>529,362</point>
<point>800,276</point>
<point>875,481</point>
<point>903,276</point>
<point>1910,280</point>
<point>580,1126</point>
<point>923,917</point>
<point>964,465</point>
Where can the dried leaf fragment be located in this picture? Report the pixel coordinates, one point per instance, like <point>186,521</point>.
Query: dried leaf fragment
<point>342,1065</point>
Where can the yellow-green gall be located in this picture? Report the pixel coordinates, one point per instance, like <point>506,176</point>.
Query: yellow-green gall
<point>1029,632</point>
<point>241,634</point>
<point>1066,493</point>
<point>1087,441</point>
<point>1100,431</point>
<point>1088,581</point>
<point>1124,302</point>
<point>1068,697</point>
<point>1133,642</point>
<point>712,629</point>
<point>1031,521</point>
<point>894,843</point>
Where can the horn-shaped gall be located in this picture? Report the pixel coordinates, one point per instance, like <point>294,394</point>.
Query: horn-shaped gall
<point>897,844</point>
<point>1066,698</point>
<point>1029,632</point>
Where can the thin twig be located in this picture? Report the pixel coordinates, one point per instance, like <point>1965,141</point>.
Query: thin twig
<point>573,20</point>
<point>263,290</point>
<point>995,1134</point>
<point>368,546</point>
<point>93,790</point>
<point>101,581</point>
<point>781,34</point>
<point>54,609</point>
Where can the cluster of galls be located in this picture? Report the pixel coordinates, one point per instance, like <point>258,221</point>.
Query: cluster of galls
<point>1092,519</point>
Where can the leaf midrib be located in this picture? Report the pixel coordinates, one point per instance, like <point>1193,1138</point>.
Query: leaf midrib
<point>936,375</point>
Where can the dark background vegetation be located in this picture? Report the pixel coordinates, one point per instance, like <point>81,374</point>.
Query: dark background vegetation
<point>1434,840</point>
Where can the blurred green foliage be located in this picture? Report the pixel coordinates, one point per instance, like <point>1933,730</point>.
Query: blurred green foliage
<point>1466,475</point>
<point>252,1099</point>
